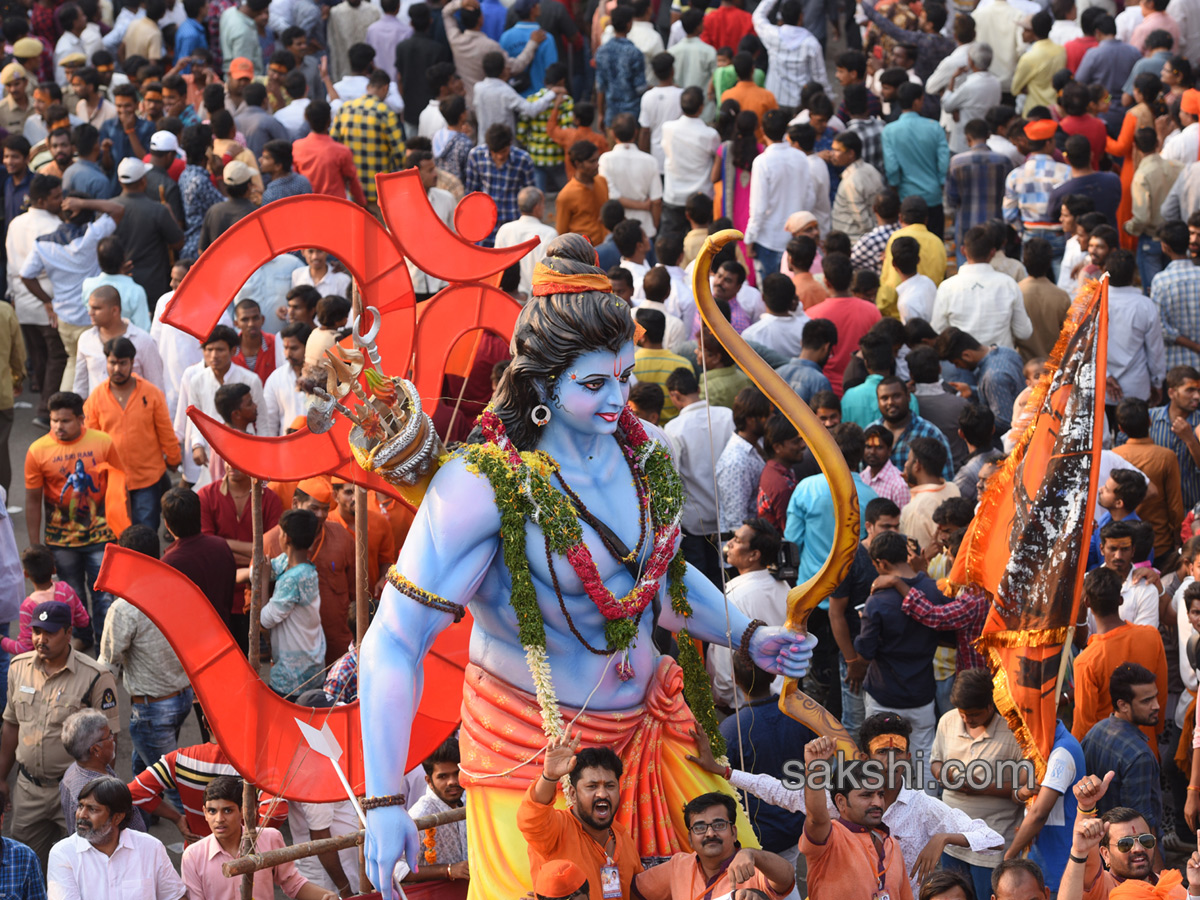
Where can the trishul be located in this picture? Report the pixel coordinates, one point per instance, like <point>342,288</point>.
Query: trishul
<point>803,598</point>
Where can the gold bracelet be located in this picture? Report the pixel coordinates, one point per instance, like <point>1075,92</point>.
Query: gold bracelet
<point>1196,789</point>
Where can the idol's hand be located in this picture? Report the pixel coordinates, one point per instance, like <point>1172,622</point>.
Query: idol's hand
<point>782,651</point>
<point>391,834</point>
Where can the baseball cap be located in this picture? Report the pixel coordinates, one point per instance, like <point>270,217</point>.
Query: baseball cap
<point>51,616</point>
<point>164,142</point>
<point>27,48</point>
<point>241,68</point>
<point>131,170</point>
<point>13,72</point>
<point>558,878</point>
<point>237,172</point>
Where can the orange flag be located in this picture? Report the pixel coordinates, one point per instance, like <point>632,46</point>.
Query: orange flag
<point>1042,500</point>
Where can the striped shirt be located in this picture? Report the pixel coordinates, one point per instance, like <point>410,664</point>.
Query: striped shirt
<point>868,251</point>
<point>1027,191</point>
<point>918,428</point>
<point>188,770</point>
<point>1161,434</point>
<point>975,187</point>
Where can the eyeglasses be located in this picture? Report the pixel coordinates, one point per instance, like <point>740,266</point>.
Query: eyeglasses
<point>717,825</point>
<point>1125,844</point>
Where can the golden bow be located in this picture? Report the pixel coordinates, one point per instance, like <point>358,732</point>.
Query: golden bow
<point>803,598</point>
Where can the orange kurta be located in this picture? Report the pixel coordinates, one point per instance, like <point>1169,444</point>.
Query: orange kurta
<point>141,431</point>
<point>381,547</point>
<point>577,209</point>
<point>1096,663</point>
<point>1138,117</point>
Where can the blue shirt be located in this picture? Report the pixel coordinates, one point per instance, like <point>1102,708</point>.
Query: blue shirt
<point>621,75</point>
<point>1176,292</point>
<point>1109,63</point>
<point>768,740</point>
<point>811,522</point>
<point>189,37</point>
<point>15,196</point>
<point>805,378</point>
<point>20,874</point>
<point>290,185</point>
<point>1000,380</point>
<point>501,183</point>
<point>494,13</point>
<point>608,253</point>
<point>1053,842</point>
<point>916,156</point>
<point>917,428</point>
<point>86,177</point>
<point>900,648</point>
<point>1113,744</point>
<point>514,40</point>
<point>1103,187</point>
<point>860,406</point>
<point>121,147</point>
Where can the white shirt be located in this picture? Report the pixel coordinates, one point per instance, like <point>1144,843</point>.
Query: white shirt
<point>354,86</point>
<point>443,204</point>
<point>12,582</point>
<point>971,98</point>
<point>496,103</point>
<point>198,388</point>
<point>638,272</point>
<point>759,596</point>
<point>940,79</point>
<point>659,105</point>
<point>689,147</point>
<point>915,297</point>
<point>1139,605</point>
<point>780,184</point>
<point>67,44</point>
<point>282,402</point>
<point>519,231</point>
<point>177,349</point>
<point>822,206</point>
<point>675,332</point>
<point>139,867</point>
<point>1186,14</point>
<point>1109,461</point>
<point>997,143</point>
<point>796,57</point>
<point>1186,672</point>
<point>633,174</point>
<point>291,117</point>
<point>1000,22</point>
<point>911,819</point>
<point>1137,357</point>
<point>1064,30</point>
<point>984,303</point>
<point>331,283</point>
<point>1071,257</point>
<point>1127,20</point>
<point>91,367</point>
<point>1182,146</point>
<point>696,452</point>
<point>22,232</point>
<point>779,333</point>
<point>431,120</point>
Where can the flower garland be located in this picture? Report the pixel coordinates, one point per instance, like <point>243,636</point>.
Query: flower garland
<point>522,488</point>
<point>430,842</point>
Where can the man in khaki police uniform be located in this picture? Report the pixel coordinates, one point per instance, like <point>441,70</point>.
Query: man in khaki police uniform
<point>44,687</point>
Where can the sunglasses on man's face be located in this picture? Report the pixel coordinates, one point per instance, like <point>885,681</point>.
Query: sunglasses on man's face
<point>1125,844</point>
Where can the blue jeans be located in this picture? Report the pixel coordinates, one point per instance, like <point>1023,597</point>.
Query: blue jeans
<point>853,712</point>
<point>1149,261</point>
<point>79,567</point>
<point>768,260</point>
<point>979,876</point>
<point>154,730</point>
<point>146,505</point>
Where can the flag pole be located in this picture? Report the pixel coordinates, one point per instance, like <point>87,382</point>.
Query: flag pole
<point>257,576</point>
<point>1062,664</point>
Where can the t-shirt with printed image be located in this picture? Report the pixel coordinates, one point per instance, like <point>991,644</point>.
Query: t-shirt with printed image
<point>73,478</point>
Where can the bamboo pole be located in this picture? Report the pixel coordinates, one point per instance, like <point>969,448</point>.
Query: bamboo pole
<point>257,573</point>
<point>253,862</point>
<point>362,614</point>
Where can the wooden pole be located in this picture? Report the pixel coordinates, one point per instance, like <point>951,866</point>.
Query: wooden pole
<point>257,574</point>
<point>253,862</point>
<point>362,614</point>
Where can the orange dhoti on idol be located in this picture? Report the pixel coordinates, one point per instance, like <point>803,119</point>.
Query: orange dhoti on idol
<point>501,744</point>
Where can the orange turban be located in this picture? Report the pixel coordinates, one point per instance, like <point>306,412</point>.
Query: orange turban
<point>558,878</point>
<point>1190,102</point>
<point>298,423</point>
<point>1168,888</point>
<point>1040,129</point>
<point>318,488</point>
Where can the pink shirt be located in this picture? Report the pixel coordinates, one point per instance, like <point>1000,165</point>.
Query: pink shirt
<point>201,871</point>
<point>1153,22</point>
<point>63,593</point>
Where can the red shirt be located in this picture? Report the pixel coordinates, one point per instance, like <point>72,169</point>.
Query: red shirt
<point>218,514</point>
<point>1075,50</point>
<point>264,363</point>
<point>328,166</point>
<point>1091,128</point>
<point>853,318</point>
<point>725,26</point>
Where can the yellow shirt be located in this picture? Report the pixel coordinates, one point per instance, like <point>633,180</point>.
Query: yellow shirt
<point>931,264</point>
<point>1035,71</point>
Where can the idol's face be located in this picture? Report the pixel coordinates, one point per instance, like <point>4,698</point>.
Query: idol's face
<point>591,393</point>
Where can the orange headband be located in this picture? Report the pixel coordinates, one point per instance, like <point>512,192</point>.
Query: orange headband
<point>547,281</point>
<point>887,742</point>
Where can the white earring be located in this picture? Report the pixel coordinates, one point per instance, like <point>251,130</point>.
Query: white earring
<point>540,415</point>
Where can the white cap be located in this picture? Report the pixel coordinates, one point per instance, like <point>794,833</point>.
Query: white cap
<point>164,142</point>
<point>131,170</point>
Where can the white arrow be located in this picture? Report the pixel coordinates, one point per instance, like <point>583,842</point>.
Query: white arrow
<point>326,744</point>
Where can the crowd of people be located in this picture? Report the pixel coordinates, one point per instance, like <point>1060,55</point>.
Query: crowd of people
<point>923,189</point>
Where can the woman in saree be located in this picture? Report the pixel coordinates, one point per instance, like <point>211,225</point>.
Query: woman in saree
<point>731,179</point>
